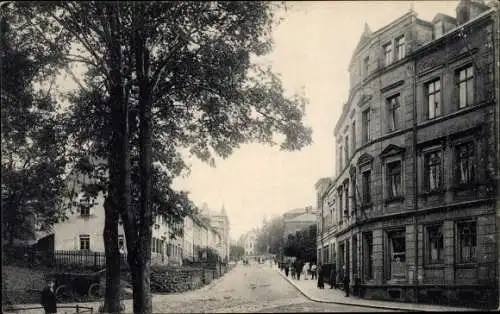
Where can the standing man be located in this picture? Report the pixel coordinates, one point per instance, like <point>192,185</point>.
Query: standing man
<point>333,277</point>
<point>346,281</point>
<point>313,271</point>
<point>321,283</point>
<point>298,268</point>
<point>48,297</point>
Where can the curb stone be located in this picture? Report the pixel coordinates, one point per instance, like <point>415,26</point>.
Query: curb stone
<point>385,307</point>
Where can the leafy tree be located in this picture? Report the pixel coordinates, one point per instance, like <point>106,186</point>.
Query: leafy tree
<point>209,254</point>
<point>272,236</point>
<point>302,244</point>
<point>236,252</point>
<point>183,72</point>
<point>33,159</point>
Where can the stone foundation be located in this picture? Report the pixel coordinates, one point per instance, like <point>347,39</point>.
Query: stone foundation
<point>482,297</point>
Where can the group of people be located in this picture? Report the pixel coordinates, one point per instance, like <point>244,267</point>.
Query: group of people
<point>298,267</point>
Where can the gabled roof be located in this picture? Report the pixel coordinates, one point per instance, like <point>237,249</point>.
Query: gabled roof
<point>365,37</point>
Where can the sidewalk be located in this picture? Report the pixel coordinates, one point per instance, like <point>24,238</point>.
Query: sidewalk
<point>336,296</point>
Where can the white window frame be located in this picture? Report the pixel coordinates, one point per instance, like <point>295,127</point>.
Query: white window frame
<point>467,80</point>
<point>388,53</point>
<point>386,161</point>
<point>432,113</point>
<point>428,248</point>
<point>392,107</point>
<point>84,238</point>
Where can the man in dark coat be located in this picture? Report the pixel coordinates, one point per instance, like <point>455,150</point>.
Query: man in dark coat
<point>333,278</point>
<point>298,268</point>
<point>346,282</point>
<point>48,297</point>
<point>320,270</point>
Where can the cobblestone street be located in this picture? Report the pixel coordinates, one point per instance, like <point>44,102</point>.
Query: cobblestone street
<point>246,288</point>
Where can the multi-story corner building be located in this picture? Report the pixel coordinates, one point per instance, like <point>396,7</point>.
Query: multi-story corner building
<point>411,211</point>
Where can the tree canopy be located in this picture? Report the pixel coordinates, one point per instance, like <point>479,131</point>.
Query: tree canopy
<point>236,252</point>
<point>161,78</point>
<point>33,152</point>
<point>302,244</point>
<point>271,236</point>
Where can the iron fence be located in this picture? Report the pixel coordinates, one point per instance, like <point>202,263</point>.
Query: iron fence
<point>78,309</point>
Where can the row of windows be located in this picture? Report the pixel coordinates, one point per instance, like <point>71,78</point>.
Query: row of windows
<point>433,90</point>
<point>465,251</point>
<point>390,55</point>
<point>464,173</point>
<point>85,242</point>
<point>432,180</point>
<point>400,51</point>
<point>464,88</point>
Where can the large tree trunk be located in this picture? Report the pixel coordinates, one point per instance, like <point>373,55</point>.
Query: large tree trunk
<point>119,169</point>
<point>141,273</point>
<point>110,235</point>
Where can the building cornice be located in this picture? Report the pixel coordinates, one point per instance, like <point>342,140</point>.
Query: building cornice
<point>414,213</point>
<point>426,47</point>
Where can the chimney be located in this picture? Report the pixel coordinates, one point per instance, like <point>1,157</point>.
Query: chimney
<point>469,9</point>
<point>463,11</point>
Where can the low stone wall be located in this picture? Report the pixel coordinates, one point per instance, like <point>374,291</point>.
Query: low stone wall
<point>165,279</point>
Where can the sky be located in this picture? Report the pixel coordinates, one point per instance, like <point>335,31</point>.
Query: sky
<point>313,47</point>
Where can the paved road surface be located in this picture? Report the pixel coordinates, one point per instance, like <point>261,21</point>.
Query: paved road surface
<point>246,288</point>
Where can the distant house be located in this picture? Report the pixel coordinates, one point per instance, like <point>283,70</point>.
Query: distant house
<point>220,222</point>
<point>298,219</point>
<point>248,241</point>
<point>83,231</point>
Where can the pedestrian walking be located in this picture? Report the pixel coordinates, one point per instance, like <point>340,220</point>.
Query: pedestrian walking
<point>313,271</point>
<point>287,268</point>
<point>321,283</point>
<point>333,278</point>
<point>305,268</point>
<point>48,297</point>
<point>292,270</point>
<point>298,269</point>
<point>346,281</point>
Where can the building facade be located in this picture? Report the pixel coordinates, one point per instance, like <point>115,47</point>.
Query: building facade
<point>412,208</point>
<point>83,231</point>
<point>220,222</point>
<point>248,242</point>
